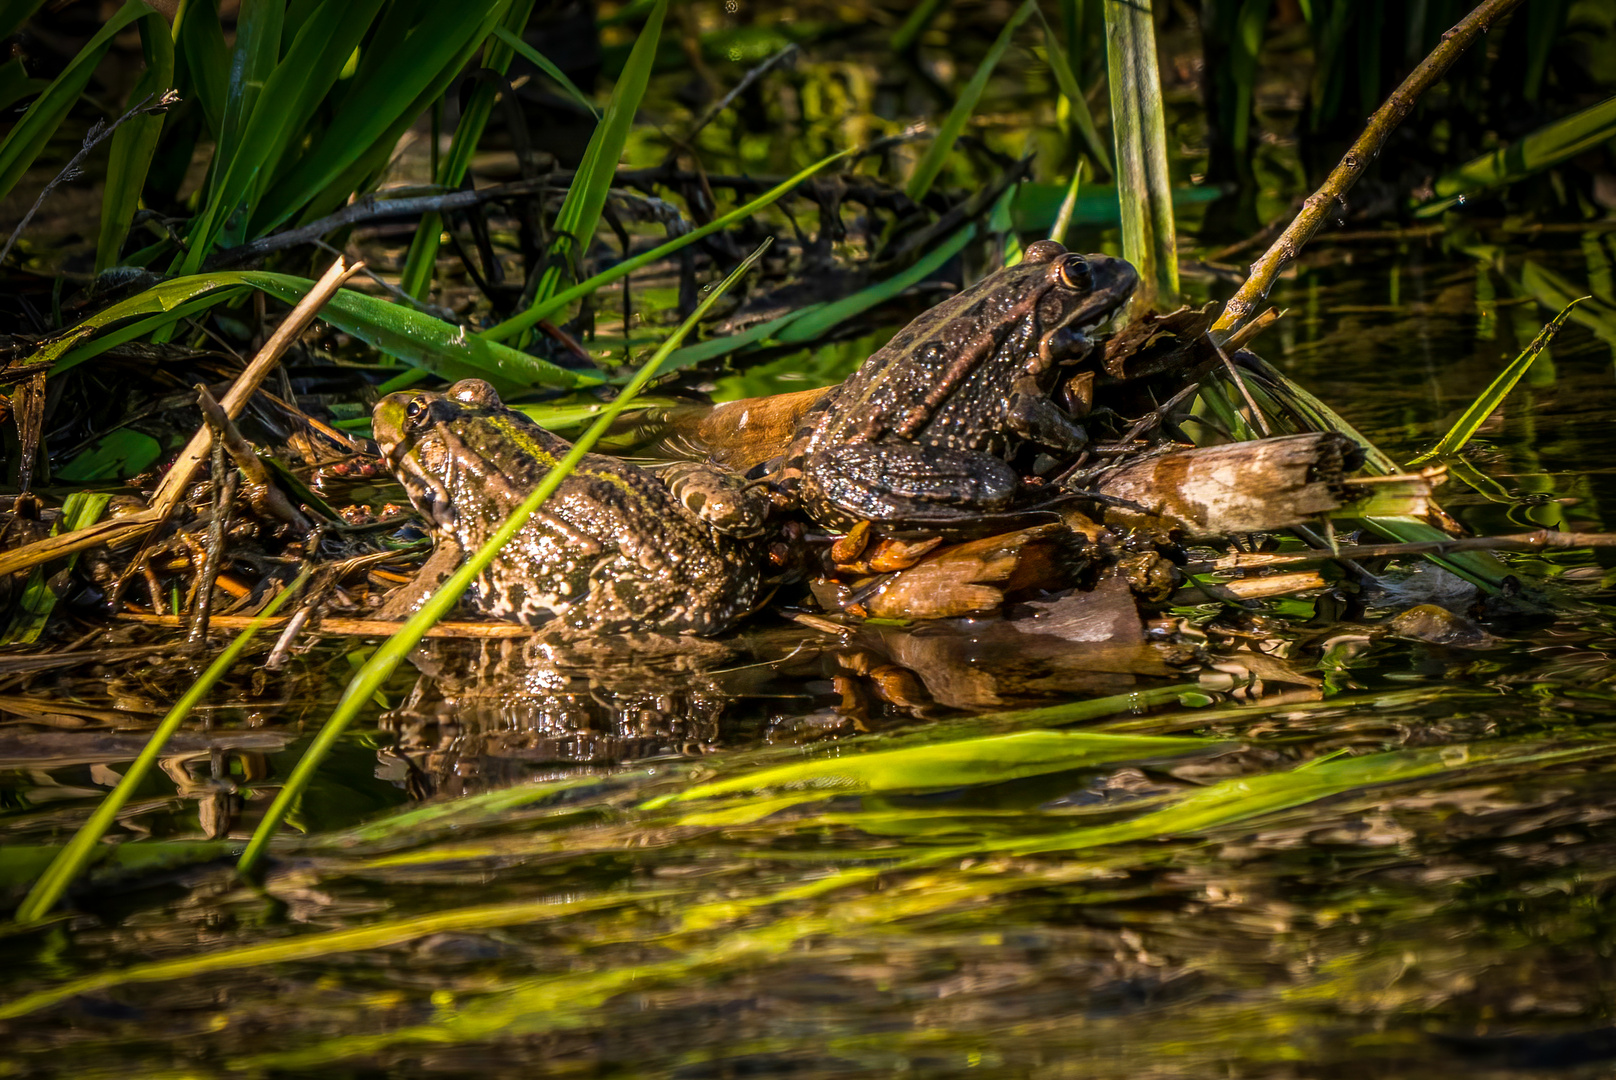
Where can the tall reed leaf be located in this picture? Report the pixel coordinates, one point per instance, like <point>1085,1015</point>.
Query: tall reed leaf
<point>368,680</point>
<point>417,50</point>
<point>547,308</point>
<point>80,850</point>
<point>1066,78</point>
<point>416,278</point>
<point>942,143</point>
<point>133,144</point>
<point>24,142</point>
<point>279,118</point>
<point>1471,420</point>
<point>1149,239</point>
<point>586,197</point>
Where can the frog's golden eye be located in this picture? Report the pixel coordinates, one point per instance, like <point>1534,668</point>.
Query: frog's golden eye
<point>415,409</point>
<point>1075,273</point>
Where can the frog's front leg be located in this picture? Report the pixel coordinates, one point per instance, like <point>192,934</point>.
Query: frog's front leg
<point>721,498</point>
<point>1030,413</point>
<point>903,484</point>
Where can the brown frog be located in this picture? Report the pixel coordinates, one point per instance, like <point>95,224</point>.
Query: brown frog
<point>921,435</point>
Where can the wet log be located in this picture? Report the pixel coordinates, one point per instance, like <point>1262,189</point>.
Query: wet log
<point>1216,491</point>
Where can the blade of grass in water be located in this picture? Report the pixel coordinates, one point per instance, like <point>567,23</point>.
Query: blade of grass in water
<point>942,145</point>
<point>370,678</point>
<point>80,850</point>
<point>586,196</point>
<point>1467,425</point>
<point>1543,149</point>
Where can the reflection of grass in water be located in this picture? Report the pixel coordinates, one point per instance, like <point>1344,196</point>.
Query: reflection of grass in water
<point>919,862</point>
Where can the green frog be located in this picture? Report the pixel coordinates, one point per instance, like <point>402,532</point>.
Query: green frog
<point>921,436</point>
<point>611,551</point>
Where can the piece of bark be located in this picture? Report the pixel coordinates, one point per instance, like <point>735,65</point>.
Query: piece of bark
<point>976,575</point>
<point>1244,487</point>
<point>737,434</point>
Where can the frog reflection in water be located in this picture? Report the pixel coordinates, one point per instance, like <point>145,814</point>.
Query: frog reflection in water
<point>921,435</point>
<point>612,550</point>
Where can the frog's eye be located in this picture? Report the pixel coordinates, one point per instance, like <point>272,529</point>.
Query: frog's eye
<point>415,409</point>
<point>1075,273</point>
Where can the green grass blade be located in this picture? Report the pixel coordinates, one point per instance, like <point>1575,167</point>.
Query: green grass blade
<point>1543,149</point>
<point>392,86</point>
<point>205,58</point>
<point>942,143</point>
<point>28,137</point>
<point>559,301</point>
<point>542,62</point>
<point>1149,238</point>
<point>586,197</point>
<point>381,664</point>
<point>1471,420</point>
<point>1065,77</point>
<point>919,20</point>
<point>279,118</point>
<point>80,510</point>
<point>1063,219</point>
<point>134,143</point>
<point>13,13</point>
<point>80,850</point>
<point>404,333</point>
<point>259,26</point>
<point>420,261</point>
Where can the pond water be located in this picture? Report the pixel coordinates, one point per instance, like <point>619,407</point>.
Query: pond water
<point>1400,862</point>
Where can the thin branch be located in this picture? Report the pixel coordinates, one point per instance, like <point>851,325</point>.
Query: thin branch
<point>1314,211</point>
<point>97,134</point>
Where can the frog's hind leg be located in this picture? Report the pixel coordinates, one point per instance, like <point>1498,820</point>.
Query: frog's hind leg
<point>903,484</point>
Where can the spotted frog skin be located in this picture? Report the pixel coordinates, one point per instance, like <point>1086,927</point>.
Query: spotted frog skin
<point>920,436</point>
<point>611,551</point>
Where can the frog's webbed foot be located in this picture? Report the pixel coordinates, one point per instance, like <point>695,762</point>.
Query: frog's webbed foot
<point>1033,416</point>
<point>719,497</point>
<point>903,484</point>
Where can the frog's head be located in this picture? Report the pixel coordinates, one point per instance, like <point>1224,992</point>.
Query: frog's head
<point>1077,294</point>
<point>424,437</point>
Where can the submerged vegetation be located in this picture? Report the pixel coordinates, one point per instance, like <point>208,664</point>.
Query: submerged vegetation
<point>1179,723</point>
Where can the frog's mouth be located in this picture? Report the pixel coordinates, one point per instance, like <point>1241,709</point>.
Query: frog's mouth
<point>428,493</point>
<point>1114,283</point>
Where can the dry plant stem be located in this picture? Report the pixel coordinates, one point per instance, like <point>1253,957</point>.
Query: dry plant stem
<point>347,627</point>
<point>94,138</point>
<point>1245,391</point>
<point>1541,540</point>
<point>747,80</point>
<point>1317,207</point>
<point>262,491</point>
<point>173,486</point>
<point>224,491</point>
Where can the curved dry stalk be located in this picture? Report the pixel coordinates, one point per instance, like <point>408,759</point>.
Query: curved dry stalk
<point>1266,269</point>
